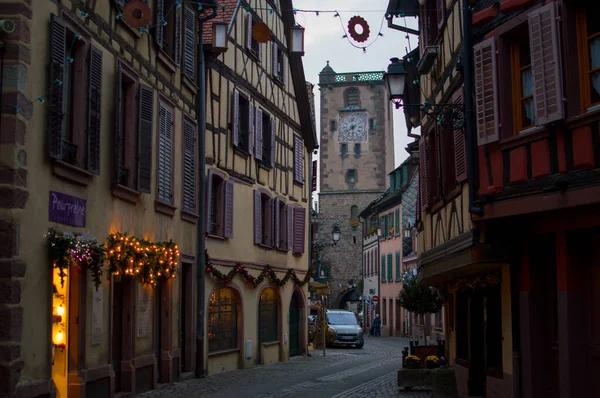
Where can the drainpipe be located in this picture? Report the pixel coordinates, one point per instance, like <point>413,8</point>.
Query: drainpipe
<point>472,154</point>
<point>201,225</point>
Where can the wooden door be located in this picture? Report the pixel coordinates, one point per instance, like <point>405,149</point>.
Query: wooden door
<point>117,331</point>
<point>294,325</point>
<point>158,328</point>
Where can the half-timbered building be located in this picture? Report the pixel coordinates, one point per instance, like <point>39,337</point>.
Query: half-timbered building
<point>259,140</point>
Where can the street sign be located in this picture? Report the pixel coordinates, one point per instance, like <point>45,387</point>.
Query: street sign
<point>375,299</point>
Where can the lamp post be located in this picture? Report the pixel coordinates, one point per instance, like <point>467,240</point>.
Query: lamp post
<point>395,80</point>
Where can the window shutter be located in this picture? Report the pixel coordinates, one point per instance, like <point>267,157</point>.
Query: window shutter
<point>58,38</point>
<point>249,31</point>
<point>298,159</point>
<point>289,211</point>
<point>257,218</point>
<point>383,267</point>
<point>250,127</point>
<point>275,71</point>
<point>397,231</point>
<point>283,68</point>
<point>208,209</point>
<point>258,134</point>
<point>299,223</point>
<point>94,110</point>
<point>236,117</point>
<point>546,64</point>
<point>189,46</point>
<point>189,166</point>
<point>260,47</point>
<point>460,154</point>
<point>423,175</point>
<point>158,31</point>
<point>145,124</point>
<point>486,92</point>
<point>177,53</point>
<point>390,266</point>
<point>228,222</point>
<point>119,123</point>
<point>165,153</point>
<point>397,266</point>
<point>276,224</point>
<point>273,142</point>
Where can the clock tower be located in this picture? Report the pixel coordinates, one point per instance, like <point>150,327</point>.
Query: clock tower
<point>356,154</point>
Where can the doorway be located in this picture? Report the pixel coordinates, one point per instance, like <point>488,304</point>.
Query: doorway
<point>294,325</point>
<point>60,331</point>
<point>117,330</point>
<point>186,318</point>
<point>158,310</point>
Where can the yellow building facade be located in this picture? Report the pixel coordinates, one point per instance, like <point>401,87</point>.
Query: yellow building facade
<point>99,199</point>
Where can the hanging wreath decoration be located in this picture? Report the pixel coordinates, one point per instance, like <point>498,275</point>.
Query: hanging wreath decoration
<point>252,281</point>
<point>146,261</point>
<point>359,37</point>
<point>66,248</point>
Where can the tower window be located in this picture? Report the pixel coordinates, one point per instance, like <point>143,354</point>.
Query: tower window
<point>332,124</point>
<point>372,123</point>
<point>351,176</point>
<point>357,149</point>
<point>344,149</point>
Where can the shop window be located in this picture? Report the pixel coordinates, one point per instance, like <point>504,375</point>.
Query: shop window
<point>462,326</point>
<point>268,316</point>
<point>589,58</point>
<point>223,320</point>
<point>493,329</point>
<point>522,84</point>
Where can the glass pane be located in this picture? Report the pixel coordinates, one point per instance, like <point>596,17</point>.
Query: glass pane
<point>595,87</point>
<point>527,112</point>
<point>526,86</point>
<point>593,23</point>
<point>594,45</point>
<point>524,53</point>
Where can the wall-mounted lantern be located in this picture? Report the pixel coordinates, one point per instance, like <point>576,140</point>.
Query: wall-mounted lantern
<point>219,40</point>
<point>297,39</point>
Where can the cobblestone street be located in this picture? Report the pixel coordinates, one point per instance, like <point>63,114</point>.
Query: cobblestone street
<point>343,372</point>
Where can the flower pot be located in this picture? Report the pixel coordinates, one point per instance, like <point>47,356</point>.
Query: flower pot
<point>414,378</point>
<point>442,381</point>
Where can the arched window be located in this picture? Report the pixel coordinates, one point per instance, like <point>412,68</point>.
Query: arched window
<point>223,320</point>
<point>267,318</point>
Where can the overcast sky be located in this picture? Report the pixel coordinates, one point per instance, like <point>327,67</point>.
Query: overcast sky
<point>324,42</point>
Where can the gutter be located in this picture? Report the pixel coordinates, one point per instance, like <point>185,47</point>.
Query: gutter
<point>201,224</point>
<point>404,29</point>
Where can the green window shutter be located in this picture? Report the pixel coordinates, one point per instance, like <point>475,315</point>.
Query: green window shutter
<point>390,264</point>
<point>398,179</point>
<point>385,234</point>
<point>397,266</point>
<point>392,186</point>
<point>382,268</point>
<point>397,221</point>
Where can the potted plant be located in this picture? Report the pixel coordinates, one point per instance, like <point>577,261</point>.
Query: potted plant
<point>441,381</point>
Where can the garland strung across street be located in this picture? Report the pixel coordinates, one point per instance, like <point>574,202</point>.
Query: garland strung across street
<point>252,281</point>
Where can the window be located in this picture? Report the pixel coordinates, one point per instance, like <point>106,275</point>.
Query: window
<point>522,84</point>
<point>372,123</point>
<point>352,97</point>
<point>267,318</point>
<point>447,154</point>
<point>351,176</point>
<point>223,320</point>
<point>264,145</point>
<point>263,219</point>
<point>390,265</point>
<point>189,43</point>
<point>589,49</point>
<point>399,179</point>
<point>398,273</point>
<point>298,160</point>
<point>253,47</point>
<point>357,149</point>
<point>164,192</point>
<point>74,112</point>
<point>126,127</point>
<point>243,122</point>
<point>279,62</point>
<point>392,179</point>
<point>354,213</point>
<point>168,29</point>
<point>332,125</point>
<point>383,268</point>
<point>384,313</point>
<point>283,227</point>
<point>219,205</point>
<point>344,150</point>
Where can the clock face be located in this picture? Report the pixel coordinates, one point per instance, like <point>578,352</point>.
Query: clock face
<point>353,127</point>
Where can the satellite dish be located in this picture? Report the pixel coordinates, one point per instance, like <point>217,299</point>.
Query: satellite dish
<point>137,14</point>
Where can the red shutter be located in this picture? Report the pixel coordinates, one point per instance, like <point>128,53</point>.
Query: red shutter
<point>58,37</point>
<point>258,134</point>
<point>314,176</point>
<point>257,218</point>
<point>145,124</point>
<point>250,127</point>
<point>289,213</point>
<point>423,194</point>
<point>177,44</point>
<point>276,224</point>
<point>158,29</point>
<point>119,131</point>
<point>273,142</point>
<point>298,160</point>
<point>94,110</point>
<point>486,92</point>
<point>460,154</point>
<point>249,31</point>
<point>189,166</point>
<point>189,43</point>
<point>235,119</point>
<point>546,64</point>
<point>275,71</point>
<point>299,232</point>
<point>208,209</point>
<point>228,222</point>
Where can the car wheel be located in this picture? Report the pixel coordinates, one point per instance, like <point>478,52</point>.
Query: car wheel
<point>360,345</point>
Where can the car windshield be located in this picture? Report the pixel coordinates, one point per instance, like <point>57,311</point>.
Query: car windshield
<point>341,319</point>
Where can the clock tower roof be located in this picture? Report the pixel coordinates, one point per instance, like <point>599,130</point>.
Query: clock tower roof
<point>327,70</point>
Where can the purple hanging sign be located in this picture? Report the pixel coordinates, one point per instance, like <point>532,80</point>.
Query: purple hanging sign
<point>66,209</point>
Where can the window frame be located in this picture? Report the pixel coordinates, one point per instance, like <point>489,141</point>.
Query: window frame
<point>583,41</point>
<point>216,211</point>
<point>129,128</point>
<point>517,83</point>
<point>253,47</point>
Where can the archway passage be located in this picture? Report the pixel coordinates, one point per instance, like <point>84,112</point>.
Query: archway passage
<point>294,325</point>
<point>348,298</point>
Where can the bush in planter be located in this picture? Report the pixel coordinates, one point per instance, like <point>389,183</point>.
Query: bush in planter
<point>432,362</point>
<point>412,362</point>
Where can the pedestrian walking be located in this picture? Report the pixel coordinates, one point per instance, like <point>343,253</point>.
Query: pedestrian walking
<point>377,325</point>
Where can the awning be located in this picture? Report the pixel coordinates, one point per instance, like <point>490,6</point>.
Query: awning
<point>318,288</point>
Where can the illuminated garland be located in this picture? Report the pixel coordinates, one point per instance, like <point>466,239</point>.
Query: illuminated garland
<point>252,281</point>
<point>143,260</point>
<point>471,283</point>
<point>65,248</point>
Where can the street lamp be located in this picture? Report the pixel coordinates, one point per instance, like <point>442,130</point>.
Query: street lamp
<point>335,234</point>
<point>395,80</point>
<point>219,41</point>
<point>297,39</point>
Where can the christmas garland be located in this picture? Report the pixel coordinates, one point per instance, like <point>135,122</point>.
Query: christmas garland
<point>472,283</point>
<point>141,259</point>
<point>252,281</point>
<point>65,248</point>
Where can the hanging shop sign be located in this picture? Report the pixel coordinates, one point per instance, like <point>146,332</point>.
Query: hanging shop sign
<point>66,209</point>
